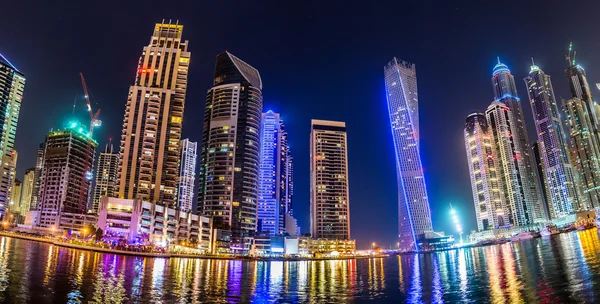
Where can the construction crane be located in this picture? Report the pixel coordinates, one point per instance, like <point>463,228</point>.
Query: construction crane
<point>568,57</point>
<point>94,122</point>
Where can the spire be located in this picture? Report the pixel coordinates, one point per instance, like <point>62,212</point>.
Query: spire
<point>533,67</point>
<point>499,68</point>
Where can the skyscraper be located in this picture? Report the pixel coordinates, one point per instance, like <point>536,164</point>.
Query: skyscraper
<point>583,122</point>
<point>512,164</point>
<point>490,205</point>
<point>12,84</point>
<point>27,191</point>
<point>37,180</point>
<point>585,151</point>
<point>187,174</point>
<point>15,195</point>
<point>414,215</point>
<point>505,91</point>
<point>329,192</point>
<point>149,154</point>
<point>65,186</point>
<point>229,158</point>
<point>106,176</point>
<point>558,175</point>
<point>274,187</point>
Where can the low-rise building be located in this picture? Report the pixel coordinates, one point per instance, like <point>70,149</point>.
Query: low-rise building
<point>145,222</point>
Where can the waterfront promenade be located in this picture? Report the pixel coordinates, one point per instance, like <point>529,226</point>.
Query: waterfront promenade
<point>166,254</point>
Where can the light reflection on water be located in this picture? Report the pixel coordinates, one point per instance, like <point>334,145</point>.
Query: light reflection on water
<point>560,269</point>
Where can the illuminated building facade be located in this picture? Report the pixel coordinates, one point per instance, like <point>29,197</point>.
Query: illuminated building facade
<point>66,186</point>
<point>490,205</point>
<point>329,192</point>
<point>585,149</point>
<point>106,175</point>
<point>187,174</point>
<point>583,122</point>
<point>12,84</point>
<point>275,180</point>
<point>414,214</point>
<point>229,157</point>
<point>27,191</point>
<point>505,92</point>
<point>512,165</point>
<point>39,164</point>
<point>149,153</point>
<point>557,174</point>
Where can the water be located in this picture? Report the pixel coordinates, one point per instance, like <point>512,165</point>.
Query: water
<point>564,268</point>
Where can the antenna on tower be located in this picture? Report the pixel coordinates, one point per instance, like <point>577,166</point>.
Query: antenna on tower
<point>498,59</point>
<point>532,61</point>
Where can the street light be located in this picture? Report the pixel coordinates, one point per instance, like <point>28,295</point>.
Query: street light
<point>456,222</point>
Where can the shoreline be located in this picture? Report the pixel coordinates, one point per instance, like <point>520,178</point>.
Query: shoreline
<point>170,255</point>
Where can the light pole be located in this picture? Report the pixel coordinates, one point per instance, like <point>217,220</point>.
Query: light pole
<point>456,223</point>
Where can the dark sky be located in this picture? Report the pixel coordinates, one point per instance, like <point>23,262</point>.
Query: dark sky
<point>317,59</point>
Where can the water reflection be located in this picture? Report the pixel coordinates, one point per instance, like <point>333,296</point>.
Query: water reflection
<point>559,269</point>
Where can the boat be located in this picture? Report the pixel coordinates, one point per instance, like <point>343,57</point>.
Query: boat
<point>549,231</point>
<point>523,235</point>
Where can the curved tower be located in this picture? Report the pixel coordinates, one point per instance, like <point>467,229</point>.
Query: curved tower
<point>414,215</point>
<point>505,92</point>
<point>229,161</point>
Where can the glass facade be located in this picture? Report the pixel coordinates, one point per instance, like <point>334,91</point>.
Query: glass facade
<point>229,157</point>
<point>414,215</point>
<point>557,173</point>
<point>523,181</point>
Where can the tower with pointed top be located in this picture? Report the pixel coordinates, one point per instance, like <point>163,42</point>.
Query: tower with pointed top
<point>557,173</point>
<point>582,121</point>
<point>513,139</point>
<point>149,154</point>
<point>229,156</point>
<point>414,215</point>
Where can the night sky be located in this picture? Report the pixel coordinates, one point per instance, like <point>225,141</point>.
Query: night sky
<point>317,60</point>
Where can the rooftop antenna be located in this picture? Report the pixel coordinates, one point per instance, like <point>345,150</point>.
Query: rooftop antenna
<point>74,102</point>
<point>498,59</point>
<point>532,61</point>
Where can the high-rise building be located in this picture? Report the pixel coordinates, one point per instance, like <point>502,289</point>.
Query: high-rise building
<point>8,165</point>
<point>505,91</point>
<point>539,169</point>
<point>585,151</point>
<point>37,180</point>
<point>274,187</point>
<point>329,192</point>
<point>414,214</point>
<point>106,176</point>
<point>27,191</point>
<point>149,154</point>
<point>15,195</point>
<point>490,205</point>
<point>187,174</point>
<point>229,157</point>
<point>512,164</point>
<point>66,185</point>
<point>558,175</point>
<point>12,84</point>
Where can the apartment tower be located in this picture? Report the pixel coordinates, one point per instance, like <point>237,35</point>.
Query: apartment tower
<point>149,153</point>
<point>486,183</point>
<point>329,193</point>
<point>229,157</point>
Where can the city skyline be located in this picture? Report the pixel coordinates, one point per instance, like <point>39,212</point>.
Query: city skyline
<point>429,99</point>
